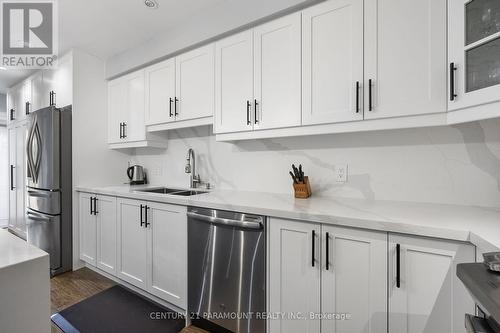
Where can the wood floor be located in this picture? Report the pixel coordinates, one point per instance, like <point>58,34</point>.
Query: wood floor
<point>73,287</point>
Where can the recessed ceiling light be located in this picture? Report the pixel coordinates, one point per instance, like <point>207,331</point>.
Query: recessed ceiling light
<point>3,68</point>
<point>151,4</point>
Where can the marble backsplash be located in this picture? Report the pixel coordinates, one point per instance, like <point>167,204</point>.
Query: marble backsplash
<point>451,164</point>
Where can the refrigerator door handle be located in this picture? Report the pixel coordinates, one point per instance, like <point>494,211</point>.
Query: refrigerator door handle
<point>38,217</point>
<point>34,137</point>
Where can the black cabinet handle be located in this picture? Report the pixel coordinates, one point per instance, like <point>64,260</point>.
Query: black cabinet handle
<point>27,108</point>
<point>142,222</point>
<point>313,247</point>
<point>121,130</point>
<point>12,114</point>
<point>327,245</point>
<point>146,208</point>
<point>398,265</point>
<point>370,103</point>
<point>256,119</point>
<point>52,98</point>
<point>248,113</point>
<point>357,96</point>
<point>12,187</point>
<point>95,206</point>
<point>453,68</point>
<point>124,132</point>
<point>170,100</point>
<point>175,106</point>
<point>91,210</point>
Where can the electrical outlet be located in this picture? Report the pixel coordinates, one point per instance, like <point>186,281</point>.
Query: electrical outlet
<point>341,173</point>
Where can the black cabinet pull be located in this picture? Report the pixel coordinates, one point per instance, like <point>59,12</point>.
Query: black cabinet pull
<point>453,68</point>
<point>327,245</point>
<point>146,208</point>
<point>370,103</point>
<point>27,108</point>
<point>248,113</point>
<point>121,131</point>
<point>52,98</point>
<point>12,187</point>
<point>95,206</point>
<point>170,100</point>
<point>175,106</point>
<point>142,222</point>
<point>124,132</point>
<point>91,211</point>
<point>357,96</point>
<point>398,266</point>
<point>12,114</point>
<point>313,247</point>
<point>256,119</point>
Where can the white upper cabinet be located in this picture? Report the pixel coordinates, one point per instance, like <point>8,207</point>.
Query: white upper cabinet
<point>332,62</point>
<point>195,84</point>
<point>180,91</point>
<point>63,82</point>
<point>474,53</point>
<point>277,74</point>
<point>160,92</point>
<point>37,99</point>
<point>425,294</point>
<point>234,83</point>
<point>405,58</point>
<point>126,113</point>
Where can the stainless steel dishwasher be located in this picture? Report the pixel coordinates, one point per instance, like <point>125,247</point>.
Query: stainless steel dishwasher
<point>227,269</point>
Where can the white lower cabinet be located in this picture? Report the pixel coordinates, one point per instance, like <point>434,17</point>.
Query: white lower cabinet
<point>429,298</point>
<point>167,252</point>
<point>98,231</point>
<point>354,281</point>
<point>132,242</point>
<point>349,276</point>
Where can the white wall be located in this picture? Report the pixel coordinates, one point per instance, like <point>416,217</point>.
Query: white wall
<point>222,19</point>
<point>454,164</point>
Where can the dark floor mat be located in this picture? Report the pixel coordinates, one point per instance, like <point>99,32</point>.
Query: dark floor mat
<point>118,310</point>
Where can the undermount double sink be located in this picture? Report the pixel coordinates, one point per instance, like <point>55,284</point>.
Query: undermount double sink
<point>172,191</point>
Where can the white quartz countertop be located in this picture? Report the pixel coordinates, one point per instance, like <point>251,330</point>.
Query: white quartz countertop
<point>14,250</point>
<point>478,225</point>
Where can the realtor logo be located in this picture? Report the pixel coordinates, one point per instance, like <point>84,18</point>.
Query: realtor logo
<point>28,34</point>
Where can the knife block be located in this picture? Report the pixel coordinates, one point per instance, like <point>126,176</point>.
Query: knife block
<point>302,191</point>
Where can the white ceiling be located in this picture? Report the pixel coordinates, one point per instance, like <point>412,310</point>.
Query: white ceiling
<point>107,27</point>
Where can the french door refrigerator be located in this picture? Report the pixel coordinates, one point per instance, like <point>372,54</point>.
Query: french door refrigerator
<point>49,185</point>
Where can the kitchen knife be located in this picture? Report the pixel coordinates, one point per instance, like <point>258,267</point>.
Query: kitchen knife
<point>296,172</point>
<point>293,177</point>
<point>301,173</point>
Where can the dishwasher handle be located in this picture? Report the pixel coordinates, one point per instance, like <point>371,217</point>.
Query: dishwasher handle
<point>226,222</point>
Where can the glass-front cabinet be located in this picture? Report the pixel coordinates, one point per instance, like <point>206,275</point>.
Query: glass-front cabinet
<point>474,52</point>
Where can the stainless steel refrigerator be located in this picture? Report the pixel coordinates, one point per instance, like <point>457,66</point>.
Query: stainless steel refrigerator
<point>49,185</point>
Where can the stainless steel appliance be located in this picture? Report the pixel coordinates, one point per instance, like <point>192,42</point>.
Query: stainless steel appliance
<point>484,286</point>
<point>227,269</point>
<point>136,175</point>
<point>49,185</point>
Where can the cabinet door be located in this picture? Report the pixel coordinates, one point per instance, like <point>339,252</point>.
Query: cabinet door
<point>63,82</point>
<point>405,58</point>
<point>430,297</point>
<point>195,72</point>
<point>355,280</point>
<point>168,253</point>
<point>20,103</point>
<point>294,282</point>
<point>106,233</point>
<point>117,109</point>
<point>48,85</point>
<point>234,83</point>
<point>11,105</point>
<point>332,62</point>
<point>88,229</point>
<point>160,92</point>
<point>132,243</point>
<point>12,178</point>
<point>277,84</point>
<point>474,52</point>
<point>37,91</point>
<point>135,128</point>
<point>21,179</point>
